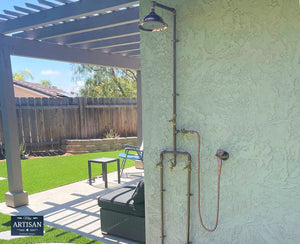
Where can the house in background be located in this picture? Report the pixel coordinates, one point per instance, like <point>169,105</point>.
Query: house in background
<point>30,89</point>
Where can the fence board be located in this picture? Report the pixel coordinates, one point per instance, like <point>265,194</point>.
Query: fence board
<point>44,121</point>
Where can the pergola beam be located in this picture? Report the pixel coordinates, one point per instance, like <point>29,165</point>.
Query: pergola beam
<point>43,50</point>
<point>85,25</point>
<point>62,13</point>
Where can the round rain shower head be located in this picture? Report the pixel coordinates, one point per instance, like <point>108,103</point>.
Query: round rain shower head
<point>153,22</point>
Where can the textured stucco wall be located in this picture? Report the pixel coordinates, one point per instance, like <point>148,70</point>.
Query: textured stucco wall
<point>239,83</point>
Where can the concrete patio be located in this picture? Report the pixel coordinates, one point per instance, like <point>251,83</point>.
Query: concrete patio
<point>74,207</point>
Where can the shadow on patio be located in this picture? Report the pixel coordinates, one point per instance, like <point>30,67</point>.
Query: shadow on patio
<point>74,207</point>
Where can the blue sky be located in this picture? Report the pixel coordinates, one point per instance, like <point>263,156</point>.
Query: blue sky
<point>59,73</point>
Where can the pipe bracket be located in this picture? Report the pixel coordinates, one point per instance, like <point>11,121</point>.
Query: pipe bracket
<point>172,121</point>
<point>159,165</point>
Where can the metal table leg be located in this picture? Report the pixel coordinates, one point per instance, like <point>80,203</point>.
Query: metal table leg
<point>90,172</point>
<point>104,171</point>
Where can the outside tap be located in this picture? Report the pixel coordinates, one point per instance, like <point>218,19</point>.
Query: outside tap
<point>188,167</point>
<point>171,165</point>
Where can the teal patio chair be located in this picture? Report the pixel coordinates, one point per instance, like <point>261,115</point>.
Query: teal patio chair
<point>131,152</point>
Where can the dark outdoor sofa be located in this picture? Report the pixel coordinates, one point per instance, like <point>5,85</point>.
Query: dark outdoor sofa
<point>122,212</point>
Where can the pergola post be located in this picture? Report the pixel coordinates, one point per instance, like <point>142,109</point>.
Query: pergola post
<point>16,196</point>
<point>139,108</point>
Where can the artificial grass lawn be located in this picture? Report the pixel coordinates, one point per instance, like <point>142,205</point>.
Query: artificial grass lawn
<point>51,235</point>
<point>40,174</point>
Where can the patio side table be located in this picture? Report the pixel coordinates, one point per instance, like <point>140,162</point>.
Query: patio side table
<point>104,162</point>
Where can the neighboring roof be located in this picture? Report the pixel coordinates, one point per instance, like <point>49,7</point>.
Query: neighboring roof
<point>107,28</point>
<point>43,89</point>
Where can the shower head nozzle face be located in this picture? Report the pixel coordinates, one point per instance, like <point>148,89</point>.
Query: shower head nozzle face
<point>153,22</point>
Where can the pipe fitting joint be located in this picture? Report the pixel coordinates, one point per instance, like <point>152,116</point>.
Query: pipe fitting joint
<point>172,121</point>
<point>160,165</point>
<point>188,167</point>
<point>184,131</point>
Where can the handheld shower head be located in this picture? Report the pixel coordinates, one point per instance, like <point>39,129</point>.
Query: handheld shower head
<point>221,154</point>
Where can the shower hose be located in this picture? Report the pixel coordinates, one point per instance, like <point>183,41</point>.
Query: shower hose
<point>218,200</point>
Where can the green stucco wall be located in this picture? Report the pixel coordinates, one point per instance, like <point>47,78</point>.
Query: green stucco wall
<point>238,66</point>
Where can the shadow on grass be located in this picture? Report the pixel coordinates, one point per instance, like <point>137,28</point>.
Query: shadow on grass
<point>79,237</point>
<point>50,230</point>
<point>61,234</point>
<point>7,224</point>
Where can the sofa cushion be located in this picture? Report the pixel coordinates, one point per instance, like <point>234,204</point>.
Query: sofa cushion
<point>138,194</point>
<point>120,200</point>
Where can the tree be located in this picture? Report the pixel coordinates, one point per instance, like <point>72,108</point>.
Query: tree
<point>106,81</point>
<point>24,74</point>
<point>46,82</point>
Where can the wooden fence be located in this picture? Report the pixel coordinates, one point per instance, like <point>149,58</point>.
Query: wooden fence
<point>47,121</point>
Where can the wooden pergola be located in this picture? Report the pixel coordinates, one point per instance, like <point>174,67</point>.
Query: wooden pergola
<point>97,32</point>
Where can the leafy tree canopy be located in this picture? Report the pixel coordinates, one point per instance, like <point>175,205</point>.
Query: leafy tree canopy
<point>105,81</point>
<point>46,82</point>
<point>22,75</point>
